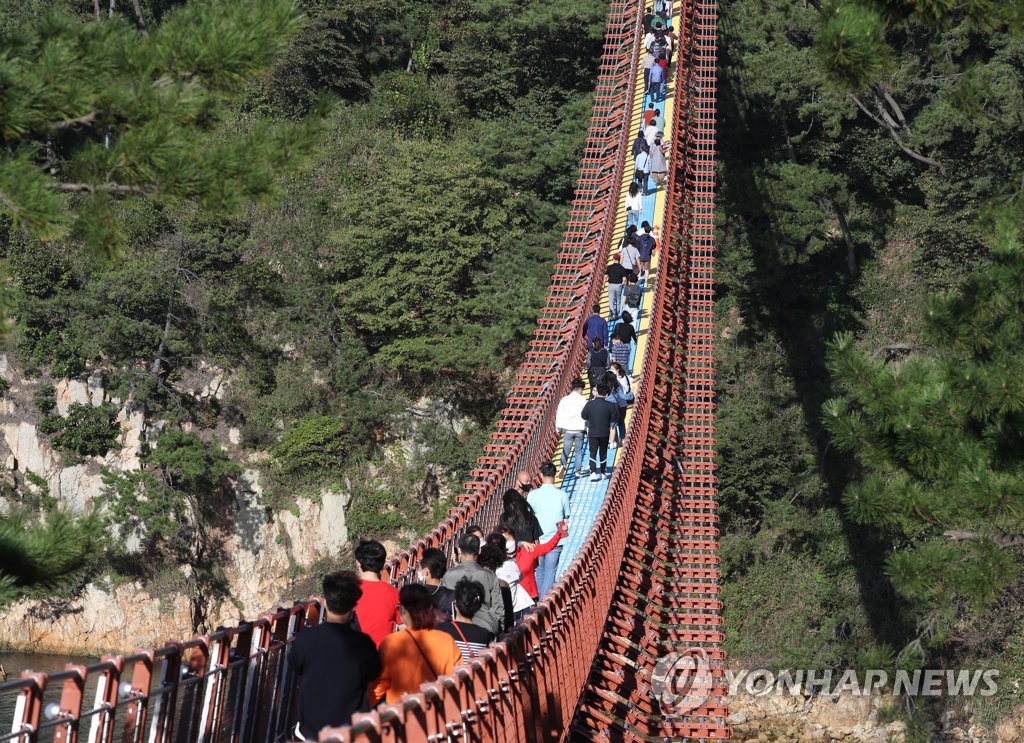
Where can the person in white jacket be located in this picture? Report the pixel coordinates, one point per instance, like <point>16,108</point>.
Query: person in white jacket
<point>571,426</point>
<point>634,205</point>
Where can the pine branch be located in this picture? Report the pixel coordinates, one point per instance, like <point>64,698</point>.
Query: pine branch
<point>87,120</point>
<point>896,137</point>
<point>893,105</point>
<point>892,350</point>
<point>1003,540</point>
<point>114,188</point>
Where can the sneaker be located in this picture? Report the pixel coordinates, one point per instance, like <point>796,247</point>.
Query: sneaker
<point>606,476</point>
<point>595,477</point>
<point>581,473</point>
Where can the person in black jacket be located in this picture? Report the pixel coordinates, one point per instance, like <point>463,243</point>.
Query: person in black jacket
<point>601,417</point>
<point>336,662</point>
<point>597,362</point>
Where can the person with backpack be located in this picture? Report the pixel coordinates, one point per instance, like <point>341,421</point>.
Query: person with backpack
<point>645,244</point>
<point>597,362</point>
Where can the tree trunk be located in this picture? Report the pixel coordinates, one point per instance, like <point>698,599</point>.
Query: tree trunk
<point>113,7</point>
<point>96,5</point>
<point>851,251</point>
<point>139,19</point>
<point>158,360</point>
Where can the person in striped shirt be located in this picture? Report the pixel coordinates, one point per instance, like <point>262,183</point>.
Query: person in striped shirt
<point>469,638</point>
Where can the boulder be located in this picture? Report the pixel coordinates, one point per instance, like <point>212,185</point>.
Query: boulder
<point>71,392</point>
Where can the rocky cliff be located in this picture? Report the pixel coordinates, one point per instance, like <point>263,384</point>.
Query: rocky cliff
<point>262,551</point>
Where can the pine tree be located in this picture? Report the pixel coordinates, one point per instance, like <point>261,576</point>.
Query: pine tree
<point>941,439</point>
<point>95,110</point>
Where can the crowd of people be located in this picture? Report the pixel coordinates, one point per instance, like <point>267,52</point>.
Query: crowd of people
<point>378,642</point>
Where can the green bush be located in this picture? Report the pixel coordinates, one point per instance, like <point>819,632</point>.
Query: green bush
<point>45,398</point>
<point>86,431</point>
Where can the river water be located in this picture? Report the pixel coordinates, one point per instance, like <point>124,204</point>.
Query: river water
<point>15,663</point>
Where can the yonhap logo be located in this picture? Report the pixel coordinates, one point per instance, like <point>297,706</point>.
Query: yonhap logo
<point>681,681</point>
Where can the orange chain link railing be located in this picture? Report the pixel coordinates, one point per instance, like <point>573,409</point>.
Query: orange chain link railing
<point>240,689</point>
<point>659,672</point>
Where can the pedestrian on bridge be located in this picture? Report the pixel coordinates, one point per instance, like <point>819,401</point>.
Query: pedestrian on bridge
<point>597,362</point>
<point>601,417</point>
<point>634,205</point>
<point>519,515</point>
<point>642,168</point>
<point>630,255</point>
<point>631,294</point>
<point>492,557</point>
<point>646,244</point>
<point>659,166</point>
<point>491,614</point>
<point>615,273</point>
<point>376,610</point>
<point>526,565</point>
<point>656,85</point>
<point>335,663</point>
<point>470,638</point>
<point>595,327</point>
<point>419,653</point>
<point>572,427</point>
<point>433,566</point>
<point>551,505</point>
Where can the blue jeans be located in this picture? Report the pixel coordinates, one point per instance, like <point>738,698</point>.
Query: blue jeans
<point>633,218</point>
<point>547,568</point>
<point>615,299</point>
<point>572,441</point>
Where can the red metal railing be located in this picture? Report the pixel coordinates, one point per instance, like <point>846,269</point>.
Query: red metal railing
<point>526,687</point>
<point>666,596</point>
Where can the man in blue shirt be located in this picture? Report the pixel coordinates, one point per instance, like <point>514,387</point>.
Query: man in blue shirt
<point>595,327</point>
<point>551,505</point>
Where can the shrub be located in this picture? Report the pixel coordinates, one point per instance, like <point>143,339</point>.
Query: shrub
<point>86,431</point>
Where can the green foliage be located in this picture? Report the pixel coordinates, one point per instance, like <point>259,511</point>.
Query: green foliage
<point>138,504</point>
<point>45,398</point>
<point>149,103</point>
<point>86,430</point>
<point>940,437</point>
<point>42,556</point>
<point>314,442</point>
<point>189,463</point>
<point>852,44</point>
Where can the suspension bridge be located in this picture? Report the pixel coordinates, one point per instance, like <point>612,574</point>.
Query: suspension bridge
<point>628,645</point>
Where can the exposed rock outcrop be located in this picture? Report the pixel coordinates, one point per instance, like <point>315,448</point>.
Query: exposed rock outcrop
<point>847,717</point>
<point>260,552</point>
